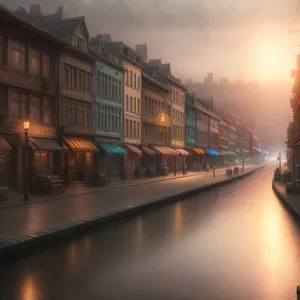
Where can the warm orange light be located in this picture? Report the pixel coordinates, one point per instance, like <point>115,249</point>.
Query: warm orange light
<point>162,117</point>
<point>26,124</point>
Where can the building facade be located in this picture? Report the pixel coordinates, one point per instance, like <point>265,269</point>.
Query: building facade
<point>131,62</point>
<point>108,110</point>
<point>156,122</point>
<point>29,88</point>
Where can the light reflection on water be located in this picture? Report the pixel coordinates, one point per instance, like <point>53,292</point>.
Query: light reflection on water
<point>236,242</point>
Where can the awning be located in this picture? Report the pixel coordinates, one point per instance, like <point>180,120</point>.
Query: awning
<point>229,153</point>
<point>222,153</point>
<point>148,151</point>
<point>212,152</point>
<point>256,149</point>
<point>111,149</point>
<point>80,144</point>
<point>4,145</point>
<point>246,151</point>
<point>199,151</point>
<point>182,152</point>
<point>165,151</point>
<point>134,149</point>
<point>44,144</point>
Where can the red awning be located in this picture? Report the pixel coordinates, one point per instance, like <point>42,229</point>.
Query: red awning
<point>222,153</point>
<point>182,152</point>
<point>135,150</point>
<point>148,151</point>
<point>165,151</point>
<point>4,145</point>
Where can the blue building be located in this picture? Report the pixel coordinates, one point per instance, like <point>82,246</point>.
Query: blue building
<point>108,112</point>
<point>190,126</point>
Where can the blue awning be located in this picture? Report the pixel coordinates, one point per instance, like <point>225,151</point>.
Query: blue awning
<point>212,152</point>
<point>111,149</point>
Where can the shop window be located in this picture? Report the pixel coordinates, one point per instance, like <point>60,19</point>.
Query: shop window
<point>17,55</point>
<point>35,62</point>
<point>41,162</point>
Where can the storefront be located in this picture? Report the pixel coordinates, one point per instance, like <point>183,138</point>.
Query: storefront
<point>110,159</point>
<point>213,159</point>
<point>5,156</point>
<point>80,156</point>
<point>167,158</point>
<point>150,162</point>
<point>195,160</point>
<point>181,159</point>
<point>132,162</point>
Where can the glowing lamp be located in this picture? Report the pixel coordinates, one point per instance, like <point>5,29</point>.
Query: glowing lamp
<point>26,124</point>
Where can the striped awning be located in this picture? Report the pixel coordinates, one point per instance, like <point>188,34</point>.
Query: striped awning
<point>4,145</point>
<point>165,151</point>
<point>44,144</point>
<point>182,152</point>
<point>229,153</point>
<point>199,151</point>
<point>111,149</point>
<point>80,144</point>
<point>134,149</point>
<point>222,153</point>
<point>148,151</point>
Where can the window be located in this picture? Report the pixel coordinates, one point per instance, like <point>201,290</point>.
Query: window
<point>35,109</point>
<point>67,76</point>
<point>138,129</point>
<point>138,106</point>
<point>15,101</point>
<point>131,78</point>
<point>134,129</point>
<point>126,128</point>
<point>79,43</point>
<point>18,55</point>
<point>47,111</point>
<point>139,82</point>
<point>46,65</point>
<point>88,82</point>
<point>131,104</point>
<point>126,77</point>
<point>134,80</point>
<point>130,128</point>
<point>75,79</point>
<point>134,109</point>
<point>2,47</point>
<point>35,62</point>
<point>126,103</point>
<point>82,80</point>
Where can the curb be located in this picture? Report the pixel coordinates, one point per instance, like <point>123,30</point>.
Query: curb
<point>100,190</point>
<point>18,247</point>
<point>284,200</point>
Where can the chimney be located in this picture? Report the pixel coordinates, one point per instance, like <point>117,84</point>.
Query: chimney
<point>60,11</point>
<point>35,9</point>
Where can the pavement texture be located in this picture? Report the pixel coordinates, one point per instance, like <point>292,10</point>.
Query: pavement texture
<point>28,225</point>
<point>291,201</point>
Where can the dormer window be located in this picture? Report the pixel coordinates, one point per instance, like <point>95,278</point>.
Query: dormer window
<point>80,43</point>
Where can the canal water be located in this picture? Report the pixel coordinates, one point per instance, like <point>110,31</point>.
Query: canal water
<point>235,242</point>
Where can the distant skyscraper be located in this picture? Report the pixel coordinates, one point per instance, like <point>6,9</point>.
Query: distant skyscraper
<point>142,51</point>
<point>209,79</point>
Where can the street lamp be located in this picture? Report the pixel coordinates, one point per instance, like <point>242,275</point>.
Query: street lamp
<point>26,167</point>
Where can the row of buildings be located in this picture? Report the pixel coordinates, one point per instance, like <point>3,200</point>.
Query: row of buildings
<point>98,106</point>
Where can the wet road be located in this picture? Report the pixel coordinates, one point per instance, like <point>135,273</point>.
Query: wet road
<point>235,242</point>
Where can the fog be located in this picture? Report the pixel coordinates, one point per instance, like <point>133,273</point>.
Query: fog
<point>240,40</point>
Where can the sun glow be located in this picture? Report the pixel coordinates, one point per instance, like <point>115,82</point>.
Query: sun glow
<point>272,61</point>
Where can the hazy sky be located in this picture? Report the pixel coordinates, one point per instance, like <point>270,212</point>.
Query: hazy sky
<point>238,39</point>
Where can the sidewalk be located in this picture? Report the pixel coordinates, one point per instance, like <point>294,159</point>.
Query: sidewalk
<point>15,198</point>
<point>21,225</point>
<point>291,201</point>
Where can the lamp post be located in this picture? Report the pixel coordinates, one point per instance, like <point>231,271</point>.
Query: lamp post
<point>26,163</point>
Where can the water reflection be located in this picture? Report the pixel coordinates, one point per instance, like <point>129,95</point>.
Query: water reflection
<point>233,243</point>
<point>29,290</point>
<point>177,219</point>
